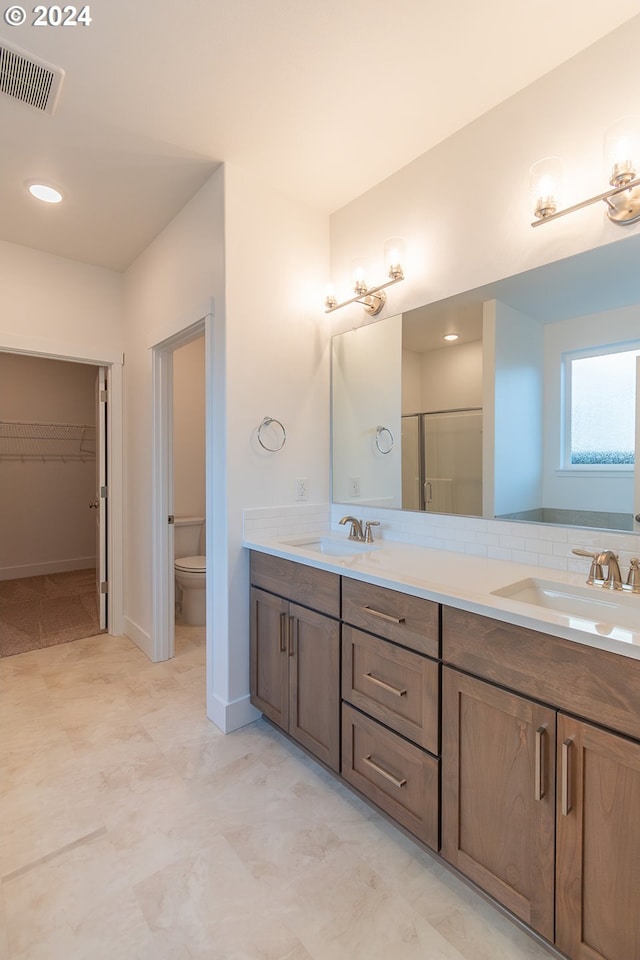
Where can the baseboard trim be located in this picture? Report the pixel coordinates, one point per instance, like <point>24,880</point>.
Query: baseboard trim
<point>231,716</point>
<point>138,636</point>
<point>52,566</point>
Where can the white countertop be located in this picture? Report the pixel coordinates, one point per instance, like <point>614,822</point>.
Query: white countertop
<point>466,582</point>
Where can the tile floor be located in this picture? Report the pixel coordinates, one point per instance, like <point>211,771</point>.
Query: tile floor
<point>132,829</point>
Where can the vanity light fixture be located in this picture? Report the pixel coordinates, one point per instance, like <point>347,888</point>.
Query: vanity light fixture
<point>44,192</point>
<point>622,163</point>
<point>372,299</point>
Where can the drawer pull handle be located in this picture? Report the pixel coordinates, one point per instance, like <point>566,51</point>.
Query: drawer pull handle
<point>566,784</point>
<point>283,630</point>
<point>383,616</point>
<point>291,628</point>
<point>385,686</point>
<point>383,773</point>
<point>539,774</point>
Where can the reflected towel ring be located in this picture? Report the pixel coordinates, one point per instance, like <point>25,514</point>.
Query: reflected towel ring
<point>266,422</point>
<point>386,441</point>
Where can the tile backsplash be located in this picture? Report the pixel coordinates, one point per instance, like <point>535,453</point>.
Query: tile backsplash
<point>536,544</point>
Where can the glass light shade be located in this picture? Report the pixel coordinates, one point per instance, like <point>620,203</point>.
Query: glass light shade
<point>394,257</point>
<point>545,187</point>
<point>45,192</point>
<point>622,151</point>
<point>358,272</point>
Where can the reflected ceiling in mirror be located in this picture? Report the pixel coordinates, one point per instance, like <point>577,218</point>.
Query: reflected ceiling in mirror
<point>477,423</point>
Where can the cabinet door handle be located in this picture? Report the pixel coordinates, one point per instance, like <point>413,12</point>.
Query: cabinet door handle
<point>383,773</point>
<point>291,619</point>
<point>396,691</point>
<point>566,783</point>
<point>383,616</point>
<point>283,629</point>
<point>539,774</point>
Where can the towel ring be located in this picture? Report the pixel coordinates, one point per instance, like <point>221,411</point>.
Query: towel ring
<point>266,422</point>
<point>387,443</point>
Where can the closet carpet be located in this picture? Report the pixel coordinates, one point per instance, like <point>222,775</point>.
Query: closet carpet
<point>38,612</point>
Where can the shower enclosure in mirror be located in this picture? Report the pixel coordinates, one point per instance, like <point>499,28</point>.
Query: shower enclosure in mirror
<point>481,426</point>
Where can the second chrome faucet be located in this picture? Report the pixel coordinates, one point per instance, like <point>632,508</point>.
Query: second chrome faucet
<point>357,531</point>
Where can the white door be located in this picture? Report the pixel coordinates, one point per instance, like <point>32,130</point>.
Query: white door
<point>100,502</point>
<point>636,470</point>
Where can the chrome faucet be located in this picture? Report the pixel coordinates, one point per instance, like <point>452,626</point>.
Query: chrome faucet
<point>609,559</point>
<point>356,532</point>
<point>605,558</point>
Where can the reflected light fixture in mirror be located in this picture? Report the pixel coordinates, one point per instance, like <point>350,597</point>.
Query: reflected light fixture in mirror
<point>372,299</point>
<point>622,159</point>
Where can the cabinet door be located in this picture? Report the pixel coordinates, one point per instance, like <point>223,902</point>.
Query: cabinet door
<point>498,795</point>
<point>314,684</point>
<point>598,840</point>
<point>269,666</point>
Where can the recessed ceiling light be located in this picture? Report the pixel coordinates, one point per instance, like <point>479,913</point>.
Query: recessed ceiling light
<point>450,336</point>
<point>44,192</point>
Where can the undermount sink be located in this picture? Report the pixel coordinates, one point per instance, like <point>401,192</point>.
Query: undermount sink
<point>330,546</point>
<point>602,607</point>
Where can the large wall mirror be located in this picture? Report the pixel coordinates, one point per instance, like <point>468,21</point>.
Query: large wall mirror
<point>531,414</point>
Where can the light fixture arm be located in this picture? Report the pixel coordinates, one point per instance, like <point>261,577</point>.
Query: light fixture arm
<point>371,298</point>
<point>615,213</point>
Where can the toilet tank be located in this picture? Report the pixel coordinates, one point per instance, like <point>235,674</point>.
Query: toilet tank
<point>188,537</point>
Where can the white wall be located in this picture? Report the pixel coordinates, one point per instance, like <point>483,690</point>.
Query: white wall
<point>517,383</point>
<point>169,287</point>
<point>463,207</point>
<point>452,377</point>
<point>52,305</point>
<point>277,356</point>
<point>189,430</point>
<point>47,525</point>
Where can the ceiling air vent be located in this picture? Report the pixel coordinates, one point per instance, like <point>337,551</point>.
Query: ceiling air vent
<point>29,79</point>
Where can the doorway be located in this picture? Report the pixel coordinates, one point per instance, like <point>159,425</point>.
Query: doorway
<point>179,488</point>
<point>53,491</point>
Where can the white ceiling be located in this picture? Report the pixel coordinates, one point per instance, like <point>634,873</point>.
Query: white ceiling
<point>321,98</point>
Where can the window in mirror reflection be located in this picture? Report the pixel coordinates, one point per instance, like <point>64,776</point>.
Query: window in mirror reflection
<point>601,391</point>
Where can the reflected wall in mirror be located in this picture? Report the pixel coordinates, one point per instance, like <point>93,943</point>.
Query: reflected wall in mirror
<point>481,426</point>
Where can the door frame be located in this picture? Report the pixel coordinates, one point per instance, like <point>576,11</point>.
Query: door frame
<point>163,580</point>
<point>50,350</point>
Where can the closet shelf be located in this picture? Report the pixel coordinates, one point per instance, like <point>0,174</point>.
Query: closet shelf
<point>37,440</point>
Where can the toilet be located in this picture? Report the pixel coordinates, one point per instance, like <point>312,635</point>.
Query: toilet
<point>190,570</point>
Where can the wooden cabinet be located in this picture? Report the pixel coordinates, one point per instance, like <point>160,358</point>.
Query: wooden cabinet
<point>396,692</point>
<point>536,741</point>
<point>598,843</point>
<point>498,795</point>
<point>295,656</point>
<point>499,789</point>
<point>398,776</point>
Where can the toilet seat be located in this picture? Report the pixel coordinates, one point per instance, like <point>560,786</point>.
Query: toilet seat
<point>191,565</point>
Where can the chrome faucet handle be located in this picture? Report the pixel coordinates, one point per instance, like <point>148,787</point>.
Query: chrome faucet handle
<point>368,536</point>
<point>633,580</point>
<point>596,572</point>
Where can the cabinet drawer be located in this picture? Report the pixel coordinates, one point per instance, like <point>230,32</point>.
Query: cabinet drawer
<point>594,684</point>
<point>409,621</point>
<point>395,685</point>
<point>309,586</point>
<point>399,777</point>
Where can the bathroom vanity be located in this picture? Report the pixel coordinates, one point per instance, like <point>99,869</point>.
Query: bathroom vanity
<point>504,736</point>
